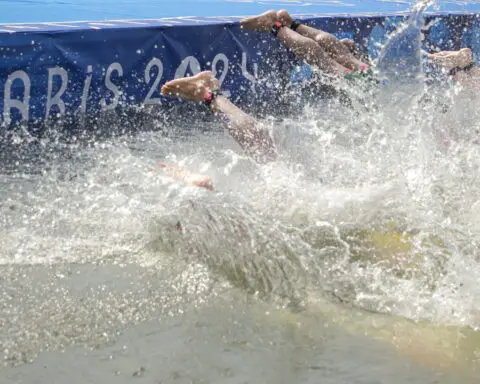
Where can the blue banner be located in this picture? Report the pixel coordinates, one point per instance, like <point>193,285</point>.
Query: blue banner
<point>49,71</point>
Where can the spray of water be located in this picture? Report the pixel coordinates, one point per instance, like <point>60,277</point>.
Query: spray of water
<point>373,209</point>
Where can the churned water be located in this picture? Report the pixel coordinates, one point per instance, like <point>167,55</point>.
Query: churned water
<point>353,258</point>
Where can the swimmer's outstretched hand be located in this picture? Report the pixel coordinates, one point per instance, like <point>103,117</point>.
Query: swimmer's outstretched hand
<point>187,177</point>
<point>191,88</point>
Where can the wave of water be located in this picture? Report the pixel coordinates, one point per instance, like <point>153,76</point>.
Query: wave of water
<point>375,209</point>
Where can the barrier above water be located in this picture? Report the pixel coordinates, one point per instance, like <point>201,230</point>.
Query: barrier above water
<point>55,67</point>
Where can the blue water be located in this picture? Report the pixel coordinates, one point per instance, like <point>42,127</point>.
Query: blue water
<point>16,11</point>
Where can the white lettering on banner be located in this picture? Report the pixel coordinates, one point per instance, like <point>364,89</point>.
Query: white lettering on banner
<point>9,103</point>
<point>189,62</point>
<point>154,72</point>
<point>86,88</point>
<point>221,58</point>
<point>159,65</point>
<point>245,72</point>
<point>57,99</point>
<point>114,67</point>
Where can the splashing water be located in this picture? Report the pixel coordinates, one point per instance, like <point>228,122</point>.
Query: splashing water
<point>400,60</point>
<point>360,209</point>
<point>366,209</point>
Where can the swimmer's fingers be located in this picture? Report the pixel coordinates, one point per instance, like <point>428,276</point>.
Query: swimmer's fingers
<point>187,177</point>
